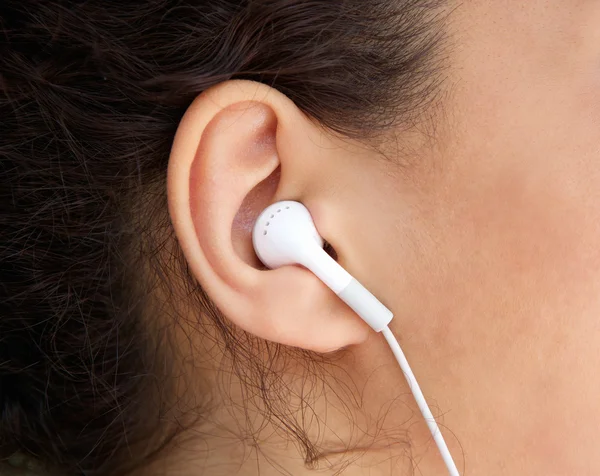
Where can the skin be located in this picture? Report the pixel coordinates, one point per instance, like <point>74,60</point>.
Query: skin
<point>482,237</point>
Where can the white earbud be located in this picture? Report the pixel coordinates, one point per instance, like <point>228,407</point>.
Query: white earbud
<point>285,234</point>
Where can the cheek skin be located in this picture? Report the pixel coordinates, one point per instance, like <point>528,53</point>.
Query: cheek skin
<point>488,251</point>
<point>492,257</point>
<point>501,293</point>
<point>509,305</point>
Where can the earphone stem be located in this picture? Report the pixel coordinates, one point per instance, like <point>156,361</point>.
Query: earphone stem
<point>353,293</point>
<point>366,305</point>
<point>324,267</point>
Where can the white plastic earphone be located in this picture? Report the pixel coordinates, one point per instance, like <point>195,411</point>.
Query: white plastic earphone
<point>285,234</point>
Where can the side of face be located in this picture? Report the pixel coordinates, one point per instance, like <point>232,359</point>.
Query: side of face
<point>479,230</point>
<point>487,248</point>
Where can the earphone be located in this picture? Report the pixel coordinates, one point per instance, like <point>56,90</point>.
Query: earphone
<point>285,234</point>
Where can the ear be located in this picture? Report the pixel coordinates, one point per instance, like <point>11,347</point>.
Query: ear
<point>239,147</point>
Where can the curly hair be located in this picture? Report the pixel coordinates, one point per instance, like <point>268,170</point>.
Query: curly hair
<point>91,94</point>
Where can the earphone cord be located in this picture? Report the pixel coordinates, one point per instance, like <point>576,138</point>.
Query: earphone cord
<point>416,390</point>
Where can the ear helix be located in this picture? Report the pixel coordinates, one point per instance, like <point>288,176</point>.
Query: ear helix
<point>285,234</point>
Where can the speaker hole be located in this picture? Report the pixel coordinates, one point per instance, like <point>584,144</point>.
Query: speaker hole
<point>268,223</point>
<point>272,216</point>
<point>279,211</point>
<point>287,208</point>
<point>265,232</point>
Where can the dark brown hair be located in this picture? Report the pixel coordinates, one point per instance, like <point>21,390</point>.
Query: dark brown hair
<point>91,94</point>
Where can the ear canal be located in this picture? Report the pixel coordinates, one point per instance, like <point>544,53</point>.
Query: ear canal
<point>285,234</point>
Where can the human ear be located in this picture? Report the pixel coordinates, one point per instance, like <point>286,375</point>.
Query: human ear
<point>239,147</point>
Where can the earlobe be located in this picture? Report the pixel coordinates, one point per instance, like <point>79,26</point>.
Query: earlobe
<point>226,165</point>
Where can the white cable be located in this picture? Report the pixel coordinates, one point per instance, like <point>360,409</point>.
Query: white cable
<point>416,390</point>
<point>284,234</point>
